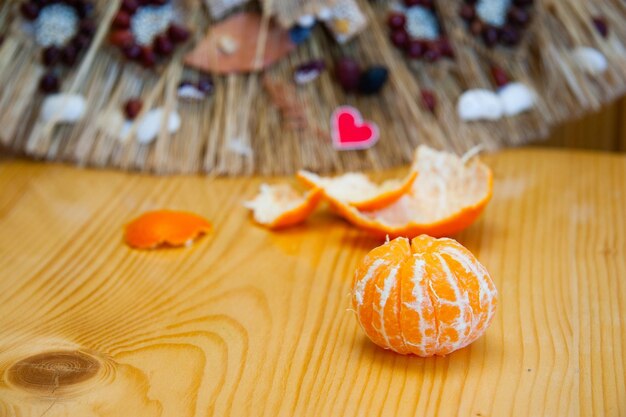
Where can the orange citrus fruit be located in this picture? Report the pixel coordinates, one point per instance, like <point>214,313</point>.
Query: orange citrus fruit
<point>429,297</point>
<point>279,206</point>
<point>447,196</point>
<point>165,227</point>
<point>356,189</point>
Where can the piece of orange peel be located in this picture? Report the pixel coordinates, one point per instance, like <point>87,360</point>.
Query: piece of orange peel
<point>165,228</point>
<point>279,206</point>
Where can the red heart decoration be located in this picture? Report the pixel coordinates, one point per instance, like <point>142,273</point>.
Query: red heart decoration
<point>350,132</point>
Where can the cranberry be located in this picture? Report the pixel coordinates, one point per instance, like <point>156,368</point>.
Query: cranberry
<point>518,16</point>
<point>130,6</point>
<point>51,56</point>
<point>29,10</point>
<point>445,47</point>
<point>163,45</point>
<point>411,3</point>
<point>81,41</point>
<point>121,20</point>
<point>121,37</point>
<point>348,73</point>
<point>490,36</point>
<point>476,27</point>
<point>429,4</point>
<point>70,54</point>
<point>510,36</point>
<point>177,33</point>
<point>399,38</point>
<point>429,100</point>
<point>500,78</point>
<point>132,108</point>
<point>148,57</point>
<point>415,49</point>
<point>87,27</point>
<point>601,26</point>
<point>433,53</point>
<point>49,83</point>
<point>467,12</point>
<point>132,51</point>
<point>396,20</point>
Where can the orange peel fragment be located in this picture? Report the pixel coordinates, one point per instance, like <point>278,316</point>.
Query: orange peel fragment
<point>446,197</point>
<point>165,227</point>
<point>356,189</point>
<point>279,206</point>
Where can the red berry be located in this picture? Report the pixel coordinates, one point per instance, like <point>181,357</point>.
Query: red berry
<point>411,3</point>
<point>499,76</point>
<point>132,51</point>
<point>49,83</point>
<point>348,73</point>
<point>130,6</point>
<point>121,37</point>
<point>29,10</point>
<point>490,36</point>
<point>148,57</point>
<point>415,49</point>
<point>177,33</point>
<point>476,27</point>
<point>445,47</point>
<point>518,16</point>
<point>51,56</point>
<point>132,108</point>
<point>467,12</point>
<point>70,54</point>
<point>432,54</point>
<point>429,100</point>
<point>399,38</point>
<point>396,20</point>
<point>163,45</point>
<point>121,20</point>
<point>601,26</point>
<point>206,85</point>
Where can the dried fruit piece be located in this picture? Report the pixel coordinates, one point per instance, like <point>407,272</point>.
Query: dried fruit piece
<point>165,227</point>
<point>279,206</point>
<point>357,190</point>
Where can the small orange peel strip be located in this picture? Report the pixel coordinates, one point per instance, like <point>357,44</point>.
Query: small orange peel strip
<point>280,206</point>
<point>165,228</point>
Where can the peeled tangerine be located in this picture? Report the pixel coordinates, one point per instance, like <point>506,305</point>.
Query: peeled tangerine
<point>429,297</point>
<point>447,196</point>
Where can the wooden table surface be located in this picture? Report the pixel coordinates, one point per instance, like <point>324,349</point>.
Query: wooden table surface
<point>253,323</point>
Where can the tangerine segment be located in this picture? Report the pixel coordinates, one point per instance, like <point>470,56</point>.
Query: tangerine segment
<point>279,206</point>
<point>358,191</point>
<point>430,298</point>
<point>169,227</point>
<point>446,197</point>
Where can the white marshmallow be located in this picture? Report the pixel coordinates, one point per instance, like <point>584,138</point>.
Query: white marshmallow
<point>590,60</point>
<point>516,98</point>
<point>479,104</point>
<point>63,108</point>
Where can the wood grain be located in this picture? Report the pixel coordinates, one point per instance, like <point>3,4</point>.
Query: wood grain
<point>253,323</point>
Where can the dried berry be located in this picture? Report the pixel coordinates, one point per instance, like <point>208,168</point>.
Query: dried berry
<point>601,26</point>
<point>373,79</point>
<point>49,83</point>
<point>467,12</point>
<point>177,33</point>
<point>500,78</point>
<point>445,47</point>
<point>429,101</point>
<point>476,27</point>
<point>87,27</point>
<point>396,20</point>
<point>85,9</point>
<point>510,36</point>
<point>415,49</point>
<point>308,71</point>
<point>206,85</point>
<point>51,56</point>
<point>148,57</point>
<point>29,10</point>
<point>399,38</point>
<point>69,55</point>
<point>411,3</point>
<point>130,6</point>
<point>518,16</point>
<point>121,38</point>
<point>121,20</point>
<point>348,73</point>
<point>432,53</point>
<point>132,108</point>
<point>490,36</point>
<point>132,51</point>
<point>81,41</point>
<point>163,45</point>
